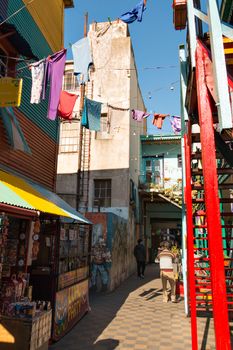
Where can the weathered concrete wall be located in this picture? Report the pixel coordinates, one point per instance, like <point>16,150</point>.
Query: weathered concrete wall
<point>119,197</point>
<point>66,187</point>
<point>136,129</point>
<point>112,88</point>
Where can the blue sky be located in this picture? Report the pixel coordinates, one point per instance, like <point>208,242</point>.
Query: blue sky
<point>155,43</point>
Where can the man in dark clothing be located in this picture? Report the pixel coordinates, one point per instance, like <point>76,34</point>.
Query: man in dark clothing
<point>140,255</point>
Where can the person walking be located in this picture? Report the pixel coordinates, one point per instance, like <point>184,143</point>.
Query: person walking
<point>140,256</point>
<point>166,258</point>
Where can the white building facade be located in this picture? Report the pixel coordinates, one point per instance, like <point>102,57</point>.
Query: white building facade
<point>109,163</point>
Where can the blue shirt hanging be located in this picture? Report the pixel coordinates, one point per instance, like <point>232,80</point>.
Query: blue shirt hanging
<point>82,56</point>
<point>134,14</point>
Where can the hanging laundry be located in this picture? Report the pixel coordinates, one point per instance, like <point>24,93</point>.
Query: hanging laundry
<point>176,124</point>
<point>66,104</point>
<point>13,130</point>
<point>139,115</point>
<point>159,119</point>
<point>54,70</point>
<point>134,14</point>
<point>37,72</point>
<point>91,114</point>
<point>82,58</point>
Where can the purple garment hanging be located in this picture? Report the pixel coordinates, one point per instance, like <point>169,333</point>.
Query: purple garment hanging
<point>54,70</point>
<point>176,124</point>
<point>139,115</point>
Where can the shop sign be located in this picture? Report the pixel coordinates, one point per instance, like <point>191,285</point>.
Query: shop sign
<point>10,92</point>
<point>72,277</point>
<point>71,304</point>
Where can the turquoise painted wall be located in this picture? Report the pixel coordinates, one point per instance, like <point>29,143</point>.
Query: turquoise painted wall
<point>27,27</point>
<point>169,151</point>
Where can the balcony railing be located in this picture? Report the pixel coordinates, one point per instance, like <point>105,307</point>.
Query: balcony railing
<point>170,188</point>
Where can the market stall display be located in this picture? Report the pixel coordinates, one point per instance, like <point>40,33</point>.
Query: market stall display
<point>60,272</point>
<point>24,324</point>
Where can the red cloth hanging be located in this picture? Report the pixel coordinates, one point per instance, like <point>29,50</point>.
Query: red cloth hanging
<point>66,104</point>
<point>158,120</point>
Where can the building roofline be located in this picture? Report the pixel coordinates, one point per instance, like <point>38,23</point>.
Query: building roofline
<point>168,137</point>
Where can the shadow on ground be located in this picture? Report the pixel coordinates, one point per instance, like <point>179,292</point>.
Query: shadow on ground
<point>104,308</point>
<point>105,344</point>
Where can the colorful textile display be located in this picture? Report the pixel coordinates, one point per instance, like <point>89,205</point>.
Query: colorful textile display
<point>54,71</point>
<point>37,72</point>
<point>139,115</point>
<point>176,124</point>
<point>134,14</point>
<point>159,119</point>
<point>66,104</point>
<point>91,114</point>
<point>13,130</point>
<point>82,58</point>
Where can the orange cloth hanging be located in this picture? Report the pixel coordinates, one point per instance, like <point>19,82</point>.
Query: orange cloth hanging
<point>159,119</point>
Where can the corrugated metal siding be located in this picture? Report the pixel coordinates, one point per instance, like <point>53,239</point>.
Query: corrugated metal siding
<point>27,27</point>
<point>3,9</point>
<point>50,21</point>
<point>41,165</point>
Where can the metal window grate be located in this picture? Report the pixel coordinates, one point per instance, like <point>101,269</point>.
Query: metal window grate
<point>102,193</point>
<point>70,82</point>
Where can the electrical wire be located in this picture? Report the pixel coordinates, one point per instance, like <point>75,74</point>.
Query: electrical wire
<point>16,12</point>
<point>17,58</point>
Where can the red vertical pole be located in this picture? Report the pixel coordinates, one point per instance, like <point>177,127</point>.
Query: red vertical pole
<point>190,248</point>
<point>220,311</point>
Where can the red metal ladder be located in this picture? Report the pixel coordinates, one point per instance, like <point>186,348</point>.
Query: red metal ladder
<point>209,274</point>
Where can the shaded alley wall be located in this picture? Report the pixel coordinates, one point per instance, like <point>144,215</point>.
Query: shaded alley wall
<point>112,252</point>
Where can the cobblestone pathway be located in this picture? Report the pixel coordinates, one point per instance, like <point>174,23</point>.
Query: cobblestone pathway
<point>134,317</point>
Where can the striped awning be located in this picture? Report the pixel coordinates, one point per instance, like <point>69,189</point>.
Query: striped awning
<point>18,192</point>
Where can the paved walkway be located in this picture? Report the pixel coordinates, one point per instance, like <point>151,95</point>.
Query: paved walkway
<point>134,317</point>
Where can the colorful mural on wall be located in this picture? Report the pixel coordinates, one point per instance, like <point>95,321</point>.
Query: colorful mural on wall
<point>110,250</point>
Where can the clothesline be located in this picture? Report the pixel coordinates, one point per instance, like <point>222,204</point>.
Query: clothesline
<point>135,69</point>
<point>97,68</point>
<point>17,58</point>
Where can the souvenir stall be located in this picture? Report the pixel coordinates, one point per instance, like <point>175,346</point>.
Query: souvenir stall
<point>59,271</point>
<point>44,271</point>
<point>24,323</point>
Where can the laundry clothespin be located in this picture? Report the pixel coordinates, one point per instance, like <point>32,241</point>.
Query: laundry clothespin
<point>109,19</point>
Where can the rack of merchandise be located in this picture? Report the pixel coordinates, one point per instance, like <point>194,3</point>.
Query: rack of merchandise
<point>60,272</point>
<point>44,273</point>
<point>24,323</point>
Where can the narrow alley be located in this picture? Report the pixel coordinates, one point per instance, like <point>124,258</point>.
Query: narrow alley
<point>134,317</point>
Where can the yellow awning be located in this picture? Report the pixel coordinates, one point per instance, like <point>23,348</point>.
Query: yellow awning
<point>35,196</point>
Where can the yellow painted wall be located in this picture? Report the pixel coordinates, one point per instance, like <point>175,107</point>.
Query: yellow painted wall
<point>49,16</point>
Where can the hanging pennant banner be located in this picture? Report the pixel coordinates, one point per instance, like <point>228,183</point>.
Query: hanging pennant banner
<point>10,92</point>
